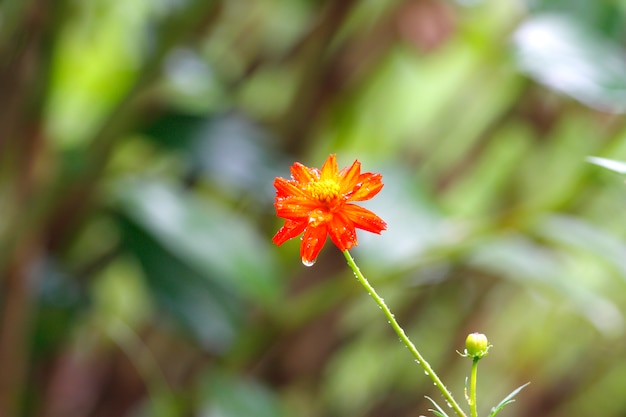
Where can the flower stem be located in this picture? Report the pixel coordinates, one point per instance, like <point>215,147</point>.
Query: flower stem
<point>403,337</point>
<point>473,377</point>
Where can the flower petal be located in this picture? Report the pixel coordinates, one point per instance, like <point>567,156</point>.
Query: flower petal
<point>364,219</point>
<point>289,230</point>
<point>349,177</point>
<point>303,174</point>
<point>294,207</point>
<point>312,242</point>
<point>330,169</point>
<point>368,185</point>
<point>342,232</point>
<point>285,188</point>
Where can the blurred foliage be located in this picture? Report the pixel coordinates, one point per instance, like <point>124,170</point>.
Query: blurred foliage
<point>138,148</point>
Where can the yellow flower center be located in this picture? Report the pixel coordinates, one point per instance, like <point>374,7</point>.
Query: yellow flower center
<point>324,191</point>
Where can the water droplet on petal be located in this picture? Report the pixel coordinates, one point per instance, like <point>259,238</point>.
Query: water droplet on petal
<point>306,262</point>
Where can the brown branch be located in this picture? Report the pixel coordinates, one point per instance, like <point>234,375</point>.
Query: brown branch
<point>317,84</point>
<point>15,327</point>
<point>24,75</point>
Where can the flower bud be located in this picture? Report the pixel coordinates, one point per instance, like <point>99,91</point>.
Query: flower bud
<point>476,345</point>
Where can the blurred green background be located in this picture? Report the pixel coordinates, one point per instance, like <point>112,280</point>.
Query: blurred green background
<point>138,145</point>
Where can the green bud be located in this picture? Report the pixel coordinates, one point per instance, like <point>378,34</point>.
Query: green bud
<point>476,345</point>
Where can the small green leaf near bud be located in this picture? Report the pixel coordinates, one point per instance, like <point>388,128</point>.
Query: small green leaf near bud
<point>476,345</point>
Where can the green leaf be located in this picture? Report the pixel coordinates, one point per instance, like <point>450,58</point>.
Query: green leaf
<point>610,164</point>
<point>228,150</point>
<point>176,131</point>
<point>585,237</point>
<point>204,235</point>
<point>60,302</point>
<point>507,400</point>
<point>571,58</point>
<point>604,16</point>
<point>201,306</point>
<point>439,411</point>
<point>535,265</point>
<point>201,261</point>
<point>228,395</point>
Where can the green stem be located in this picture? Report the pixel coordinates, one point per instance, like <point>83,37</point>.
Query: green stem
<point>400,332</point>
<point>473,378</point>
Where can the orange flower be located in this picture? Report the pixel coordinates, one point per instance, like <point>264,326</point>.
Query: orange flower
<point>318,203</point>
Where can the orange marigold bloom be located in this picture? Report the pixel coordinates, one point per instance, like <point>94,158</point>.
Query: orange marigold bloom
<point>318,203</point>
